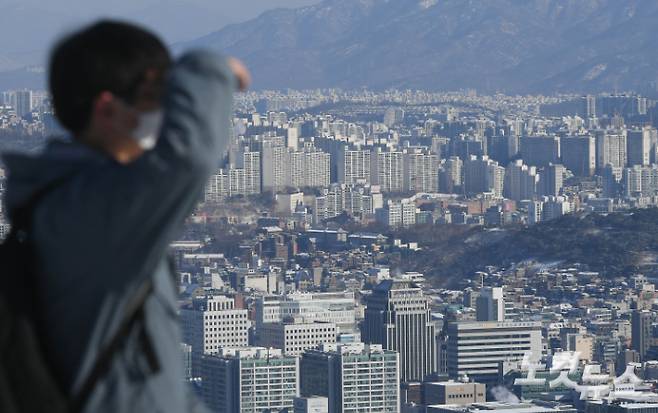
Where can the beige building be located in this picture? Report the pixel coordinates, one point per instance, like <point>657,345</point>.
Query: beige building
<point>583,344</point>
<point>295,338</point>
<point>213,322</point>
<point>454,392</point>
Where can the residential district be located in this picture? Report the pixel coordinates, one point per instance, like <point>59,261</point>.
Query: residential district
<point>295,305</point>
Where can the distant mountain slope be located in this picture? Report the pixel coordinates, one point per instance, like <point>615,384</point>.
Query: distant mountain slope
<point>23,78</point>
<point>507,45</point>
<point>616,244</point>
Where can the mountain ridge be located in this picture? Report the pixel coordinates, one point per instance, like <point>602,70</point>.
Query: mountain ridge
<point>616,244</point>
<point>507,45</point>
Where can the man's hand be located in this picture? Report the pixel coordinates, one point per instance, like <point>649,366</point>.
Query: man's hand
<point>241,73</point>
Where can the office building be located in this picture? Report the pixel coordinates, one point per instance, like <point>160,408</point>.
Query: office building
<point>212,322</point>
<point>397,316</point>
<point>454,392</point>
<point>295,338</point>
<point>579,154</point>
<point>490,304</point>
<point>641,332</point>
<point>250,379</point>
<point>331,307</point>
<point>477,348</point>
<point>354,377</point>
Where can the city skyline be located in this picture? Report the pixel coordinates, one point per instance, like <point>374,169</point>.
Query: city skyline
<point>307,276</point>
<point>421,206</point>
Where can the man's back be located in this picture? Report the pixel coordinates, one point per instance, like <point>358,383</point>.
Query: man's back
<point>105,230</point>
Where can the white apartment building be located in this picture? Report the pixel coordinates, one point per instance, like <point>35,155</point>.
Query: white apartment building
<point>397,214</point>
<point>310,168</point>
<point>275,166</point>
<point>354,167</point>
<point>611,149</point>
<point>354,377</point>
<point>388,170</point>
<point>250,380</point>
<point>640,181</point>
<point>421,171</point>
<point>353,199</point>
<point>240,179</point>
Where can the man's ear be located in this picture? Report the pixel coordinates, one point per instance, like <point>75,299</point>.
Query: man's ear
<point>104,108</point>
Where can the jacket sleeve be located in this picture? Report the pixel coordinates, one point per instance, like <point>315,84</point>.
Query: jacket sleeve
<point>126,215</point>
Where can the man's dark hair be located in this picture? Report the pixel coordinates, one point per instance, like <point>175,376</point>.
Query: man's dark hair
<point>106,56</point>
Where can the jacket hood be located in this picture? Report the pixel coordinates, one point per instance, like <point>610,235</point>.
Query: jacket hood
<point>28,173</point>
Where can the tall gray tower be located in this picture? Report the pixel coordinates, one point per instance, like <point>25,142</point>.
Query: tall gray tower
<point>490,305</point>
<point>397,316</point>
<point>641,332</point>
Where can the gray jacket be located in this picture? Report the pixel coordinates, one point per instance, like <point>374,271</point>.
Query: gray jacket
<point>107,227</point>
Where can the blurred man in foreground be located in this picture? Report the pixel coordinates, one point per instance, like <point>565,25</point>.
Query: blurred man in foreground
<point>146,133</point>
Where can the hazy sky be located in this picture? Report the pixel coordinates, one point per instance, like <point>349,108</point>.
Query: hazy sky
<point>29,27</point>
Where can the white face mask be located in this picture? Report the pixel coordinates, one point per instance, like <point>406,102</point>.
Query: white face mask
<point>148,129</point>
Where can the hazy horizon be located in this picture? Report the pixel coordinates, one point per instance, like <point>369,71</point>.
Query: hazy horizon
<point>24,44</point>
